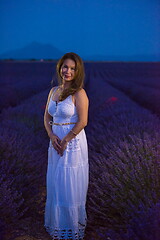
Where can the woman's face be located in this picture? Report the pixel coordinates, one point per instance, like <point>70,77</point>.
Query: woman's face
<point>68,70</point>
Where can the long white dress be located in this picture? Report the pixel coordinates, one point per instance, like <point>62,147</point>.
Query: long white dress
<point>67,177</point>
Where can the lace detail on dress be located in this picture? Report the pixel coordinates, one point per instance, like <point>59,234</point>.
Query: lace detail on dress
<point>66,234</point>
<point>73,145</point>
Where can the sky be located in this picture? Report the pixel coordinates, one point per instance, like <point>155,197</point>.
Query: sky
<point>87,27</point>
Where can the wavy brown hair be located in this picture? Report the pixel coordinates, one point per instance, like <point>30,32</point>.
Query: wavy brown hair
<point>78,80</point>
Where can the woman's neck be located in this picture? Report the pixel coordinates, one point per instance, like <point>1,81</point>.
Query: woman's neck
<point>65,85</point>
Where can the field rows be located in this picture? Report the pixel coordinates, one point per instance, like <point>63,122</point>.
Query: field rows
<point>21,80</point>
<point>124,144</point>
<point>124,149</point>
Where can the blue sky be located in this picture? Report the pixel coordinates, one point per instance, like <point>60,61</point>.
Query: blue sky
<point>87,27</point>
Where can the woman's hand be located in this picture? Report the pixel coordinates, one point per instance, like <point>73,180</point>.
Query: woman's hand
<point>63,144</point>
<point>56,143</point>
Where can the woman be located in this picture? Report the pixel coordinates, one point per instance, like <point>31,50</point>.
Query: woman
<point>65,117</point>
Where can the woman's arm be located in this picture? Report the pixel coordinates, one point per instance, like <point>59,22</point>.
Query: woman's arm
<point>47,117</point>
<point>81,102</point>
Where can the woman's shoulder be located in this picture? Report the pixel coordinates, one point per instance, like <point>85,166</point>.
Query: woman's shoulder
<point>51,92</point>
<point>80,92</point>
<point>53,89</point>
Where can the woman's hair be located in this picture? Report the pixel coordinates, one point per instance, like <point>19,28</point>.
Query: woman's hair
<point>78,80</point>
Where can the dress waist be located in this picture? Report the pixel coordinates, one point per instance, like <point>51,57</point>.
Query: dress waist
<point>60,124</point>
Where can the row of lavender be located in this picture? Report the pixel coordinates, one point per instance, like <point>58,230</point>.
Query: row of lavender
<point>139,81</point>
<point>21,80</point>
<point>23,155</point>
<point>124,164</point>
<point>124,144</point>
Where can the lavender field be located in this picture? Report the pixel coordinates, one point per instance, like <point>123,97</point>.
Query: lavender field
<point>21,80</point>
<point>123,135</point>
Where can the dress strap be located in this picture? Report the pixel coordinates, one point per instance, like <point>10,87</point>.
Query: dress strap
<point>54,91</point>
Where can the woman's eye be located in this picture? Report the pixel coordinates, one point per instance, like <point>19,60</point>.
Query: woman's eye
<point>71,68</point>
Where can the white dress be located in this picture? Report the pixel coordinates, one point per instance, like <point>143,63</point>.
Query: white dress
<point>67,177</point>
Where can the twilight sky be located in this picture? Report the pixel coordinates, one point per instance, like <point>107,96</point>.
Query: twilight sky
<point>87,27</point>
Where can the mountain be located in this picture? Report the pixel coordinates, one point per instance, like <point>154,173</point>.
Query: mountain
<point>34,50</point>
<point>37,50</point>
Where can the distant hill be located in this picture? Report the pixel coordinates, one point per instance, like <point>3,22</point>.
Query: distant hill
<point>34,50</point>
<point>37,50</point>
